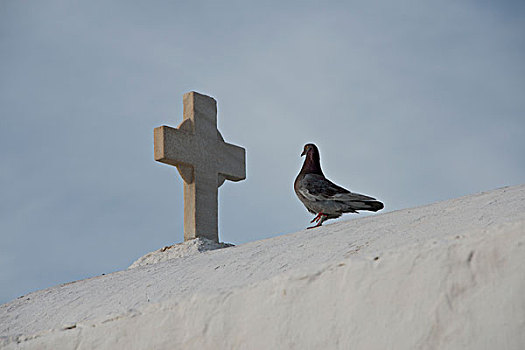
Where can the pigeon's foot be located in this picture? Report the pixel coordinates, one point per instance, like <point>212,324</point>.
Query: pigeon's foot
<point>317,218</point>
<point>313,226</point>
<point>320,218</point>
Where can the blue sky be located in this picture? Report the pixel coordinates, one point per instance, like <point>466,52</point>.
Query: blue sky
<point>411,102</point>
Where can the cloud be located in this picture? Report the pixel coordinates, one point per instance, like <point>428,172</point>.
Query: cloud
<point>409,102</point>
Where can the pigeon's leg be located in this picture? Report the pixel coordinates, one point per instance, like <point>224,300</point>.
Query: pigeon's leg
<point>317,218</point>
<point>322,218</point>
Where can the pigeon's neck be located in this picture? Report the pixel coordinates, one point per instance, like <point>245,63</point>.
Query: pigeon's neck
<point>312,164</point>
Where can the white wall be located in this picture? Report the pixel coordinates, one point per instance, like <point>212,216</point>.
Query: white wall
<point>459,291</point>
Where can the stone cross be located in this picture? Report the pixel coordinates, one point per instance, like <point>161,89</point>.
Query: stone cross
<point>203,160</point>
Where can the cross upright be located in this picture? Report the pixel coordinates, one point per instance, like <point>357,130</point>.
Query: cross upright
<point>203,160</point>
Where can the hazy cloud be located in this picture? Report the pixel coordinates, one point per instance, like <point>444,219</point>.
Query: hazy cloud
<point>411,102</point>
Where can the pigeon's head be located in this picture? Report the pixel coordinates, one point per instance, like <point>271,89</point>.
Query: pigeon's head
<point>310,149</point>
<point>312,162</point>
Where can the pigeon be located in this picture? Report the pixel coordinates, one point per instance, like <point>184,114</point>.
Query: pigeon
<point>324,198</point>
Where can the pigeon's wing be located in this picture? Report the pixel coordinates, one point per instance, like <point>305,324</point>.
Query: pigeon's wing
<point>318,188</point>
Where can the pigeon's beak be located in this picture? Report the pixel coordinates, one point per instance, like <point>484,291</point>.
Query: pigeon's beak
<point>304,152</point>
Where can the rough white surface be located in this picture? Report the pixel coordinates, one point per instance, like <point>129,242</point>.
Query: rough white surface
<point>448,275</point>
<point>180,250</point>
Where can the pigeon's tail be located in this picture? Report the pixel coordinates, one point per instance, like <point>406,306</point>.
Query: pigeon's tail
<point>375,205</point>
<point>367,205</point>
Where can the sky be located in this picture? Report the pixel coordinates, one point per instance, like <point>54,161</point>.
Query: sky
<point>411,102</point>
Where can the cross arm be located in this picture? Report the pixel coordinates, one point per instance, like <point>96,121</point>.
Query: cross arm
<point>232,161</point>
<point>173,146</point>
